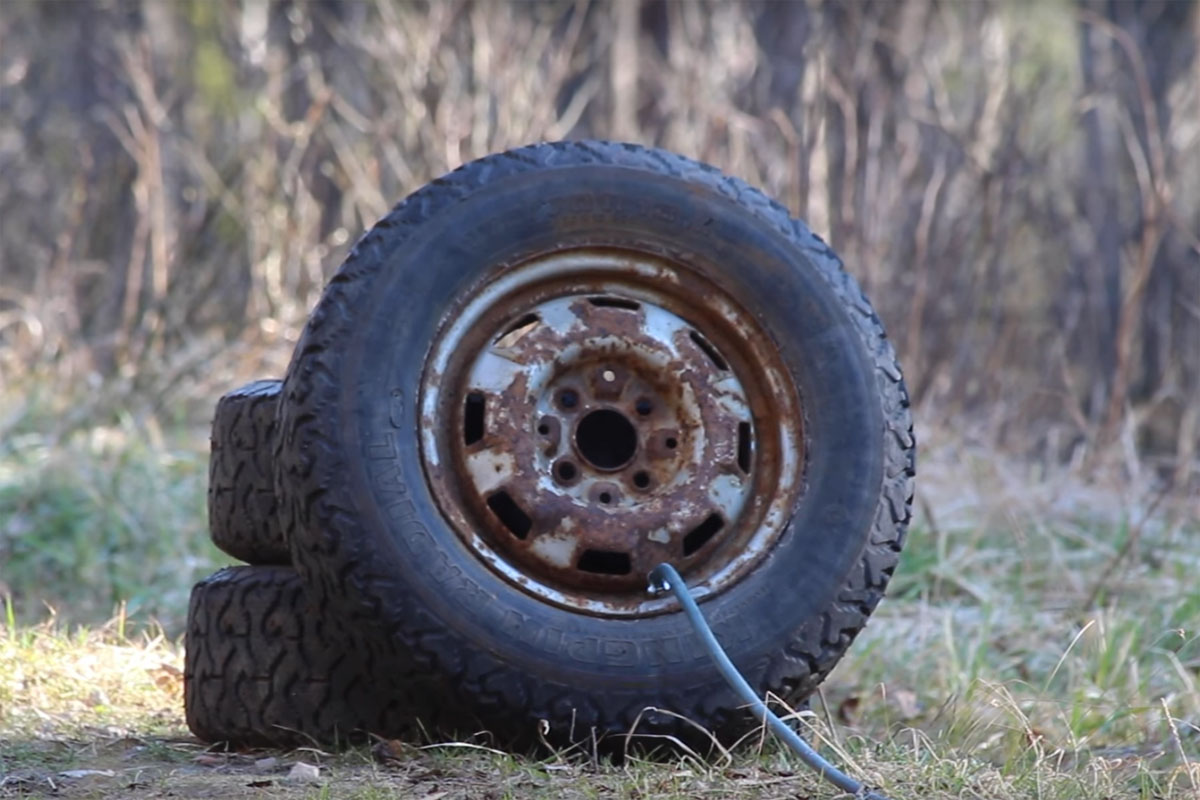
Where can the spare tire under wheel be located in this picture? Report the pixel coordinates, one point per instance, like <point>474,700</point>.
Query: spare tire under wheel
<point>242,518</point>
<point>553,369</point>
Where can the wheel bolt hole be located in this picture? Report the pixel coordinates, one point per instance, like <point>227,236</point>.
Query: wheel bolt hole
<point>605,498</point>
<point>641,480</point>
<point>543,429</point>
<point>568,398</point>
<point>671,443</point>
<point>566,471</point>
<point>643,407</point>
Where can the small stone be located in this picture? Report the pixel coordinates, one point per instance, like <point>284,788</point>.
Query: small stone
<point>304,773</point>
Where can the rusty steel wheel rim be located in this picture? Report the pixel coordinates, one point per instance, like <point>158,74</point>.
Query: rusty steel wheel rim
<point>591,413</point>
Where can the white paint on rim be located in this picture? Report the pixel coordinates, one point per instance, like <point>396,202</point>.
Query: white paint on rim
<point>558,316</point>
<point>556,549</point>
<point>490,468</point>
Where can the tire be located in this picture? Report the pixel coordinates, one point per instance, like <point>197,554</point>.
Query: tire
<point>242,511</point>
<point>263,667</point>
<point>373,534</point>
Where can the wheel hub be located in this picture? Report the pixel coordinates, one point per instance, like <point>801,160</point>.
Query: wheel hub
<point>596,434</point>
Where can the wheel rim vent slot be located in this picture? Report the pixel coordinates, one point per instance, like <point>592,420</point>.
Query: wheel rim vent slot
<point>526,321</point>
<point>700,535</point>
<point>605,562</point>
<point>474,410</point>
<point>509,513</point>
<point>745,446</point>
<point>709,351</point>
<point>615,302</point>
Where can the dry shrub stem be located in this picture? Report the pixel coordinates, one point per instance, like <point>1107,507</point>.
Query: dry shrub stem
<point>1000,179</point>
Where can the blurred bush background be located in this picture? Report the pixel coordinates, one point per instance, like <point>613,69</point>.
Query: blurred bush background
<point>1016,185</point>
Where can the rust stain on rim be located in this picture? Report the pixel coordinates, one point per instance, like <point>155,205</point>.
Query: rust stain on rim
<point>592,413</point>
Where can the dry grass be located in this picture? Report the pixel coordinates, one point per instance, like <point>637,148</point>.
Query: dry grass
<point>1042,640</point>
<point>54,683</point>
<point>96,715</point>
<point>1007,182</point>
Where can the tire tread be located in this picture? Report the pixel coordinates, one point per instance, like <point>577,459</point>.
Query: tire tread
<point>312,467</point>
<point>242,507</point>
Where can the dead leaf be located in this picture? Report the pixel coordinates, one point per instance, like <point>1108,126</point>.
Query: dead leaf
<point>386,750</point>
<point>87,773</point>
<point>167,677</point>
<point>848,708</point>
<point>906,703</point>
<point>24,780</point>
<point>209,760</point>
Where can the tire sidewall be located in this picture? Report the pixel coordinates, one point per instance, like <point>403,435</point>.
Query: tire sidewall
<point>400,549</point>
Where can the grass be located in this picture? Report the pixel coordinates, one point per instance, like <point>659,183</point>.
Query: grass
<point>100,511</point>
<point>1041,640</point>
<point>97,713</point>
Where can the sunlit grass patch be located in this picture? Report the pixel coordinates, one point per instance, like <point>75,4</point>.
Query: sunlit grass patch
<point>111,702</point>
<point>96,516</point>
<point>1033,642</point>
<point>57,684</point>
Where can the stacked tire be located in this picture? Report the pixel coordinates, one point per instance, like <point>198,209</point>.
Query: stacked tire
<point>536,378</point>
<point>242,511</point>
<point>263,665</point>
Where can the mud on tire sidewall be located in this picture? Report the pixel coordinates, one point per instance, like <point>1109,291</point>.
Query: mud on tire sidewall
<point>367,535</point>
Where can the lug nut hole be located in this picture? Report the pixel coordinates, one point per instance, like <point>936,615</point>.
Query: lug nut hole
<point>568,398</point>
<point>671,443</point>
<point>566,471</point>
<point>605,498</point>
<point>641,480</point>
<point>643,407</point>
<point>543,429</point>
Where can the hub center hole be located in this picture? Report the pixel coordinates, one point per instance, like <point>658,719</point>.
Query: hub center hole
<point>606,439</point>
